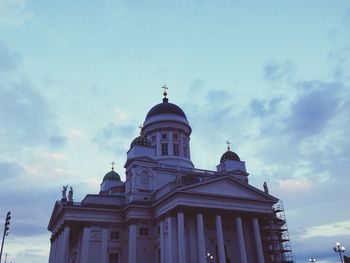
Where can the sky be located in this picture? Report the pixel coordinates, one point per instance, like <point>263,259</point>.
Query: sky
<point>78,78</point>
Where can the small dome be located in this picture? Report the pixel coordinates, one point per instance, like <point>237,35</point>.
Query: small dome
<point>229,155</point>
<point>112,176</point>
<point>166,108</point>
<point>141,141</point>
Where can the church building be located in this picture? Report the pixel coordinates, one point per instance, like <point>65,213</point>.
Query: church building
<point>168,210</point>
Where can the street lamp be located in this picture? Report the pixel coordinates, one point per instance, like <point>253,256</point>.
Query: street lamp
<point>312,260</point>
<point>339,249</point>
<point>209,257</point>
<point>6,231</point>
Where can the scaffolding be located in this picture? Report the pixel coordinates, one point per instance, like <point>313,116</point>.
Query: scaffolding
<point>275,237</point>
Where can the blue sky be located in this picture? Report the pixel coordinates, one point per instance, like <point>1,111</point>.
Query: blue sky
<point>78,77</point>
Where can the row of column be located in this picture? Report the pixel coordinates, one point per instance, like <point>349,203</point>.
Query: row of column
<point>178,234</point>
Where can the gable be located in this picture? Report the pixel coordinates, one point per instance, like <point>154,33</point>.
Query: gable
<point>228,187</point>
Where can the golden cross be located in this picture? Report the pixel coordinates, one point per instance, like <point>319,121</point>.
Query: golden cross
<point>165,92</point>
<point>228,144</point>
<point>141,127</point>
<point>113,163</point>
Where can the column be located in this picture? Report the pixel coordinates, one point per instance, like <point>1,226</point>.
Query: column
<point>220,239</point>
<point>241,242</point>
<point>132,243</point>
<point>170,143</point>
<point>52,251</point>
<point>192,240</point>
<point>84,251</point>
<point>257,238</point>
<point>104,245</point>
<point>57,243</point>
<point>65,244</point>
<point>201,239</point>
<point>171,251</point>
<point>181,237</point>
<point>59,249</point>
<point>158,144</point>
<point>162,242</point>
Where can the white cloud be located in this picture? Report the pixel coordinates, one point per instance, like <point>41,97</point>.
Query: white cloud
<point>119,115</point>
<point>295,185</point>
<point>328,230</point>
<point>55,156</point>
<point>13,13</point>
<point>76,133</point>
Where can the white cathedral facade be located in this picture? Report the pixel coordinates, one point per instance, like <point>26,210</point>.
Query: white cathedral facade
<point>168,211</point>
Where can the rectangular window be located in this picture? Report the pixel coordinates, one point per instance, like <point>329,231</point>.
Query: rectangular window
<point>185,151</point>
<point>113,258</point>
<point>153,138</point>
<point>176,149</point>
<point>114,235</point>
<point>143,231</point>
<point>175,136</point>
<point>164,149</point>
<point>164,135</point>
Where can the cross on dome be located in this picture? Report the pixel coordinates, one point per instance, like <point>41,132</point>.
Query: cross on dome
<point>165,88</point>
<point>228,144</point>
<point>113,163</point>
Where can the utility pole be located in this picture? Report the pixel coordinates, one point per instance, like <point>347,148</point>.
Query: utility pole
<point>6,231</point>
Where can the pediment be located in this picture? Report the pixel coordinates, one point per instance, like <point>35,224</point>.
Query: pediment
<point>229,187</point>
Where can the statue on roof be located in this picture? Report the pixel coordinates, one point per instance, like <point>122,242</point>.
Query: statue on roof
<point>64,195</point>
<point>266,189</point>
<point>70,194</point>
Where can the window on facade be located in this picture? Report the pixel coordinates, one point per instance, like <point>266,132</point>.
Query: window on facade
<point>113,258</point>
<point>164,149</point>
<point>176,149</point>
<point>153,138</point>
<point>164,135</point>
<point>114,235</point>
<point>143,231</point>
<point>185,151</point>
<point>175,136</point>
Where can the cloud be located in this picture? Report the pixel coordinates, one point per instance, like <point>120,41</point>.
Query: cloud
<point>328,230</point>
<point>274,71</point>
<point>114,138</point>
<point>75,133</point>
<point>313,109</point>
<point>13,13</point>
<point>9,170</point>
<point>26,117</point>
<point>57,141</point>
<point>262,108</point>
<point>218,96</point>
<point>9,60</point>
<point>55,156</point>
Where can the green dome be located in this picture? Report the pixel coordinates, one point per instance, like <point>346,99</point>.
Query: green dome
<point>141,141</point>
<point>112,176</point>
<point>229,155</point>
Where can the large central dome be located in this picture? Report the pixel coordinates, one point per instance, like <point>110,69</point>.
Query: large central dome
<point>165,108</point>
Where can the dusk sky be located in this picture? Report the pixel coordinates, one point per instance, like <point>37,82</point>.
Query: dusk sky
<point>78,78</point>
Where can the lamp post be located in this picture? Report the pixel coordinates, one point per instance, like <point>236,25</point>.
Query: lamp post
<point>339,249</point>
<point>312,259</point>
<point>6,231</point>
